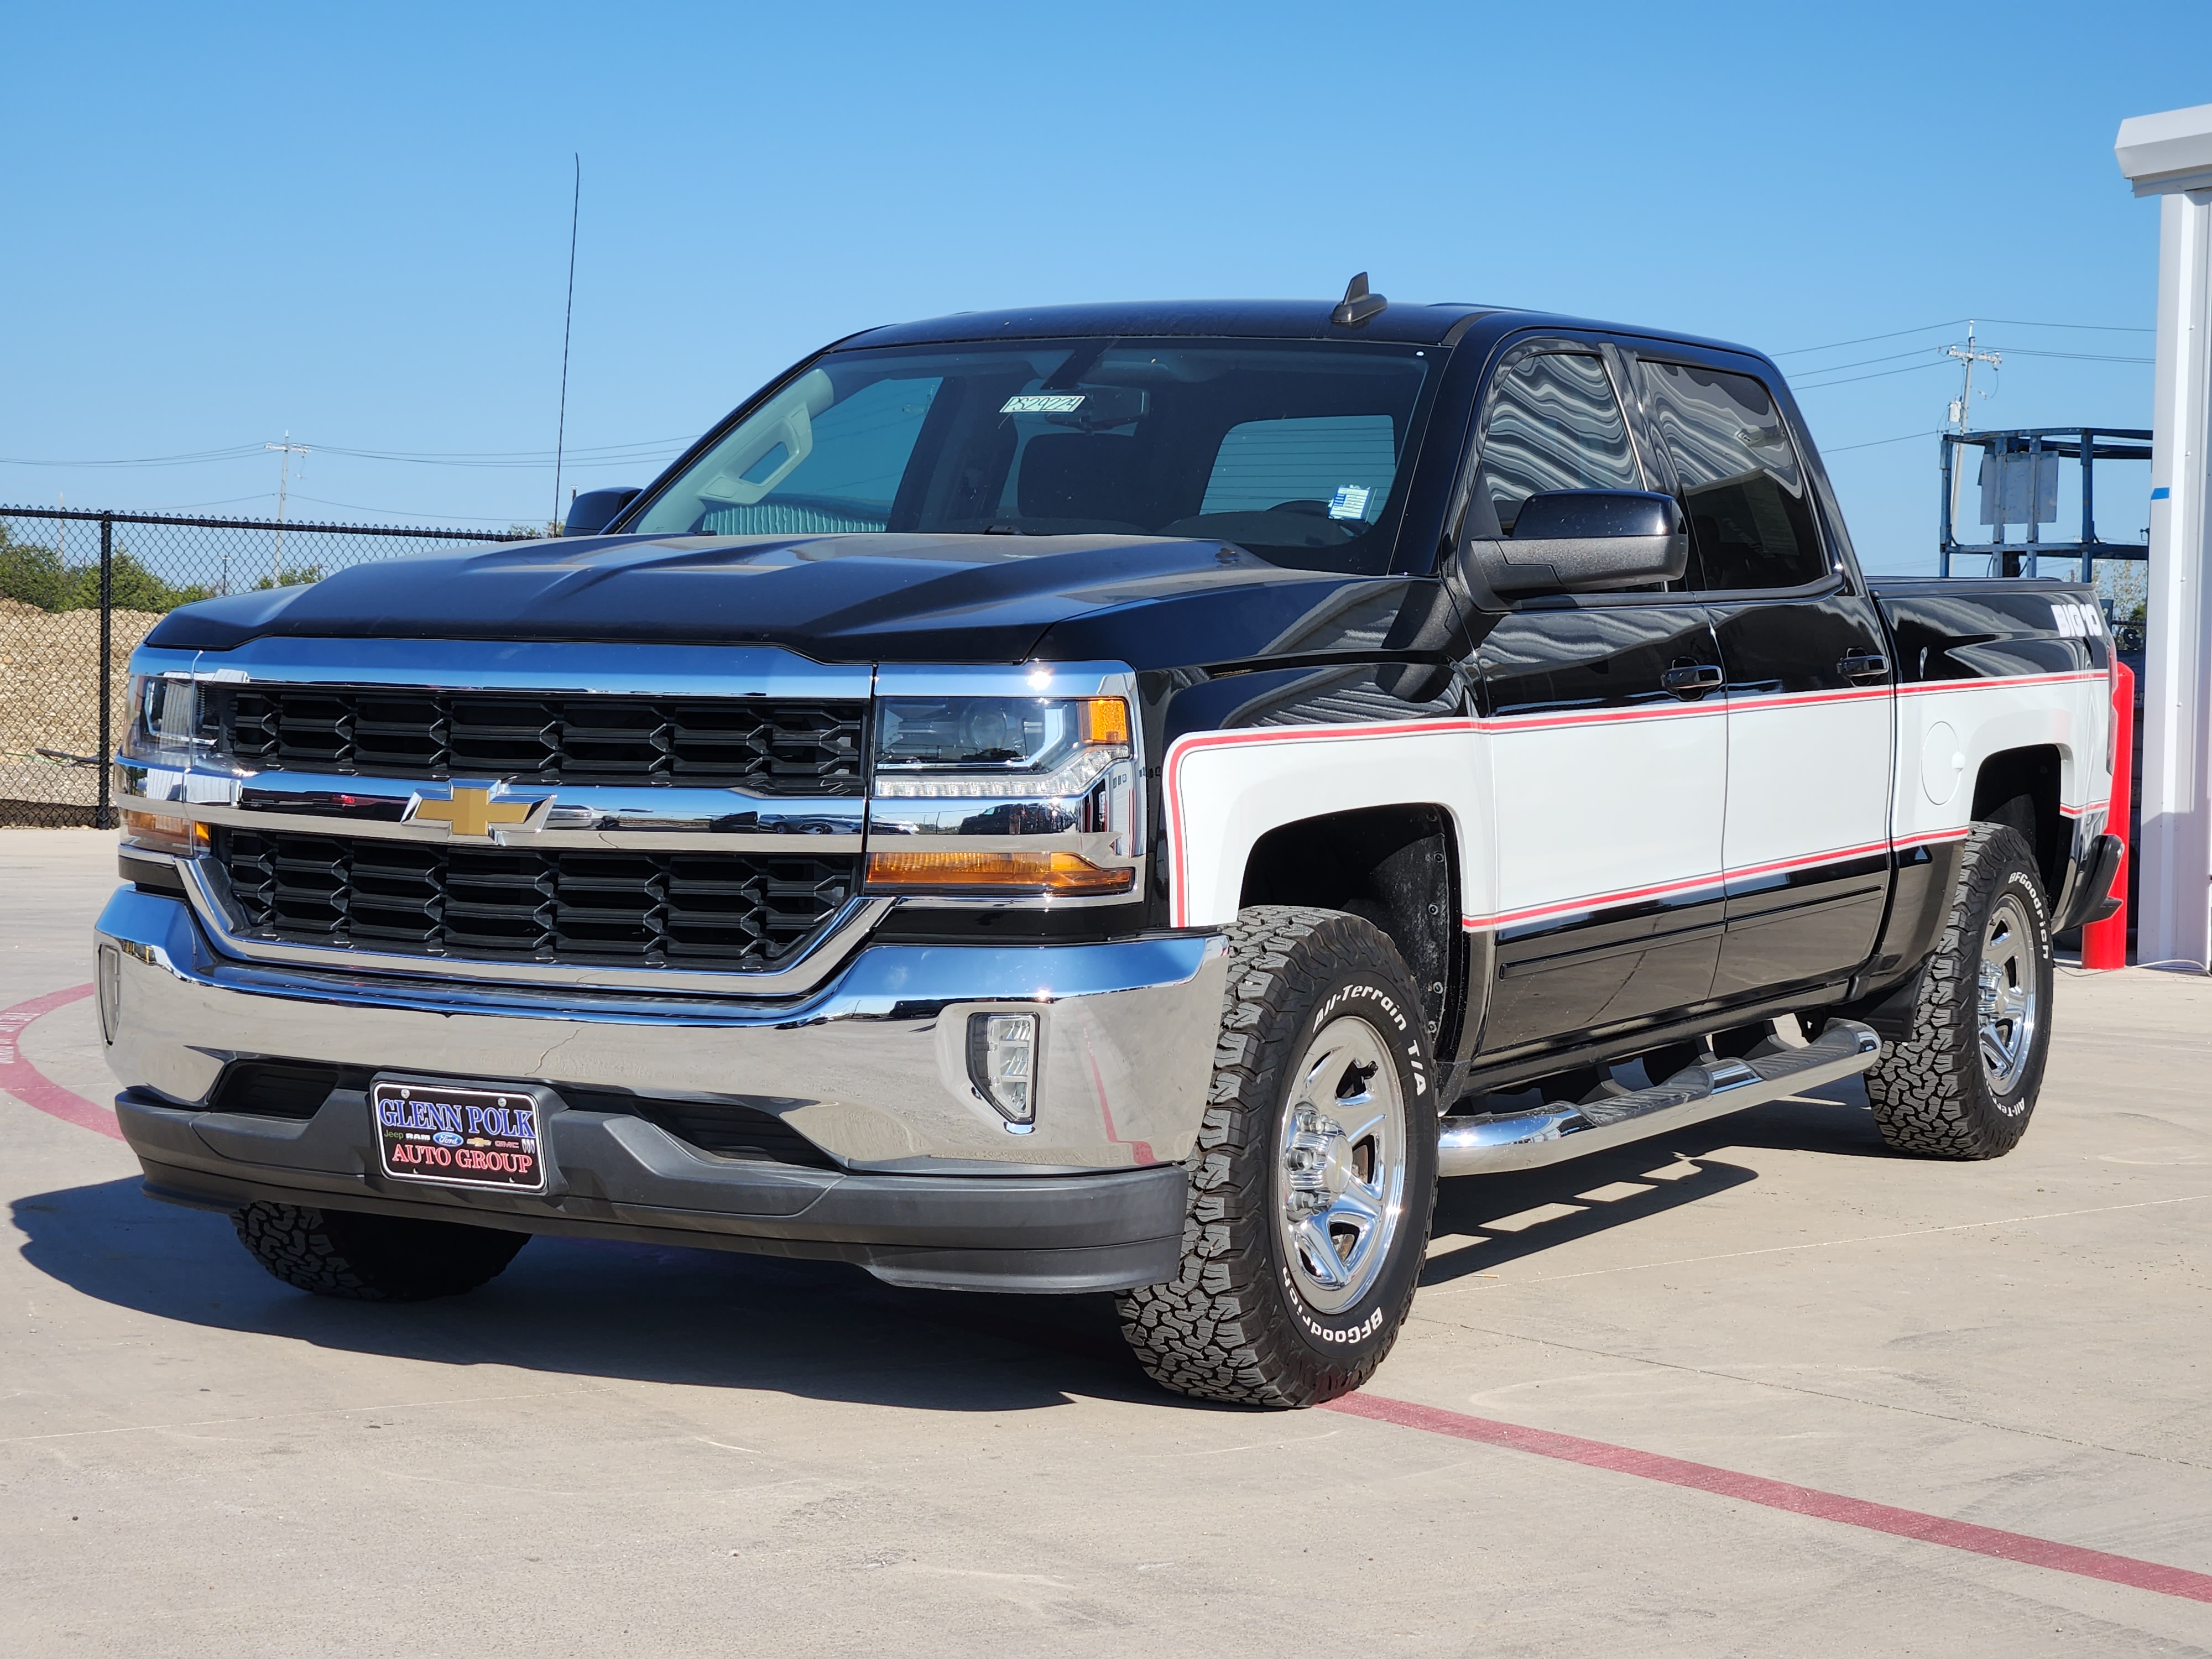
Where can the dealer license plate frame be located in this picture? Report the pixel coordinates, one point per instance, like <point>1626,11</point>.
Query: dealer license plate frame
<point>408,1089</point>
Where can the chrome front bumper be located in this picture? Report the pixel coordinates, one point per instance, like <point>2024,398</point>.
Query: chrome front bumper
<point>871,1066</point>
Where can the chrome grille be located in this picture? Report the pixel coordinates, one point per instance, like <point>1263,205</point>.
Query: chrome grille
<point>770,746</point>
<point>641,909</point>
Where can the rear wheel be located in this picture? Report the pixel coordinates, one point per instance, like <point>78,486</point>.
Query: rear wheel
<point>1963,1082</point>
<point>372,1258</point>
<point>1315,1174</point>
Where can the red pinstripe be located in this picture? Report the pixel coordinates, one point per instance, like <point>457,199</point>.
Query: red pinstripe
<point>1171,790</point>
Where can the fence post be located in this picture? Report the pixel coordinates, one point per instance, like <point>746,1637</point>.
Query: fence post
<point>105,817</point>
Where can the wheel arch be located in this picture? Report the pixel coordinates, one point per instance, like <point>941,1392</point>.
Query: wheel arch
<point>2025,788</point>
<point>1396,865</point>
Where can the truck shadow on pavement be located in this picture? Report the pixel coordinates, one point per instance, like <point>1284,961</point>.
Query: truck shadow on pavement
<point>819,1330</point>
<point>1484,1222</point>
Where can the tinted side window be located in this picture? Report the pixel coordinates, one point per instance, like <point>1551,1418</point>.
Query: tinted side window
<point>1554,424</point>
<point>1750,513</point>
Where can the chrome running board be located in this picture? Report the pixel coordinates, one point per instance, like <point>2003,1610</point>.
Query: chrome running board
<point>1551,1133</point>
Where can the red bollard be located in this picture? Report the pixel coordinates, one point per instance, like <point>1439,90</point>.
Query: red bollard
<point>2105,944</point>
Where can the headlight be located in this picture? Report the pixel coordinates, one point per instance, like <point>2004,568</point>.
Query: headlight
<point>164,718</point>
<point>1002,747</point>
<point>1026,795</point>
<point>162,727</point>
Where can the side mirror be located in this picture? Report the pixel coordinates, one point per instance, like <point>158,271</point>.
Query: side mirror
<point>1586,541</point>
<point>594,510</point>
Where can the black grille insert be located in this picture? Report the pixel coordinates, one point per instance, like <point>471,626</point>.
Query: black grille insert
<point>281,1088</point>
<point>297,1088</point>
<point>703,910</point>
<point>771,746</point>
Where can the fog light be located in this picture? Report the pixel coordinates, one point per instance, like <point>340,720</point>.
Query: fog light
<point>1002,1065</point>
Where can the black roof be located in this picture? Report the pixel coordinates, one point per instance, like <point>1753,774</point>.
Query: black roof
<point>1400,324</point>
<point>1280,319</point>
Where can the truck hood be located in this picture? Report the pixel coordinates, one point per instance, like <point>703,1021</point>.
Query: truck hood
<point>1148,601</point>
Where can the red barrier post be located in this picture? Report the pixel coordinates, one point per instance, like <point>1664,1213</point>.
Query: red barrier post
<point>2105,944</point>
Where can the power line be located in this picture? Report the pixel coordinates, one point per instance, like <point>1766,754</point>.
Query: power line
<point>508,457</point>
<point>236,452</point>
<point>1876,443</point>
<point>2093,328</point>
<point>1879,374</point>
<point>1867,339</point>
<point>1954,322</point>
<point>2074,356</point>
<point>1862,362</point>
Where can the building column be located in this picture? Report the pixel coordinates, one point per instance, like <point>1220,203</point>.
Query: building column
<point>2170,156</point>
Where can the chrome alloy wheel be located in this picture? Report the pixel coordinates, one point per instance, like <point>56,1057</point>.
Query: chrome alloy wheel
<point>1341,1176</point>
<point>2008,1009</point>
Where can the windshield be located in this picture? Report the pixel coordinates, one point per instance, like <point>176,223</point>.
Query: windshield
<point>1293,449</point>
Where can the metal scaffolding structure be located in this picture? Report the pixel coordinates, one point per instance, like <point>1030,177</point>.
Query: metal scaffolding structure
<point>2018,470</point>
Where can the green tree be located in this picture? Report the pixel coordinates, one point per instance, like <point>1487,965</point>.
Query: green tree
<point>36,576</point>
<point>298,575</point>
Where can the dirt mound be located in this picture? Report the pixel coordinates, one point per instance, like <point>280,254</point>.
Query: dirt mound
<point>50,698</point>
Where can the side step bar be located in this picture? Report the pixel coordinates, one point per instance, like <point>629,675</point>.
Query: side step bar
<point>1551,1133</point>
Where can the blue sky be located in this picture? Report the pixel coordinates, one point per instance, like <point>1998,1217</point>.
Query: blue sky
<point>225,223</point>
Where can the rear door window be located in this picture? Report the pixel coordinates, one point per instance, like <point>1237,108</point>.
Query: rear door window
<point>1743,487</point>
<point>1553,422</point>
<point>1336,466</point>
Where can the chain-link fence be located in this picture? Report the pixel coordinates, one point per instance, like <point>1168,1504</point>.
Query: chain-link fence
<point>79,590</point>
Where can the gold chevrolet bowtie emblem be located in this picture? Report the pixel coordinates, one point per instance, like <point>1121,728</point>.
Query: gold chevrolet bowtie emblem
<point>472,812</point>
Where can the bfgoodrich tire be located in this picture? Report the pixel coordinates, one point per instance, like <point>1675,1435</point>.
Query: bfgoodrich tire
<point>1962,1083</point>
<point>372,1258</point>
<point>1314,1177</point>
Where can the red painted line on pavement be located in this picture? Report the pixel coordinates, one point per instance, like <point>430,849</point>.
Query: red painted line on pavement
<point>32,1087</point>
<point>1782,1495</point>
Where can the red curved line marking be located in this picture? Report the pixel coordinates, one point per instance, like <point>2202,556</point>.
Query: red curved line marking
<point>19,1078</point>
<point>1782,1495</point>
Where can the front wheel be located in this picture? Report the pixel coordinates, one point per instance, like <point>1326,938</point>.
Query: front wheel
<point>1315,1174</point>
<point>1962,1083</point>
<point>372,1258</point>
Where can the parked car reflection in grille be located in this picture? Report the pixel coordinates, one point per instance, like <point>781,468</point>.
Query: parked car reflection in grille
<point>725,910</point>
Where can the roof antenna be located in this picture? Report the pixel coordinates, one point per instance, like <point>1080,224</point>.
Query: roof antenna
<point>1358,304</point>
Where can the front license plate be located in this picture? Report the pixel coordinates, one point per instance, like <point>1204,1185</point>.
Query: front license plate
<point>456,1137</point>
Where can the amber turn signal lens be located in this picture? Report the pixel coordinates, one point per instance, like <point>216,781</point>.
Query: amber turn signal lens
<point>1105,720</point>
<point>163,833</point>
<point>1035,873</point>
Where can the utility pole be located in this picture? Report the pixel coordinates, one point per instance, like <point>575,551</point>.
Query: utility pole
<point>283,475</point>
<point>1962,412</point>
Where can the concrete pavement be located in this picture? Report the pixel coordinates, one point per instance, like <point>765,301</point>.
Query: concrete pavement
<point>673,1452</point>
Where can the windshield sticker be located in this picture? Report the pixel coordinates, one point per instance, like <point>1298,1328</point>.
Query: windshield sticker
<point>1350,501</point>
<point>1058,403</point>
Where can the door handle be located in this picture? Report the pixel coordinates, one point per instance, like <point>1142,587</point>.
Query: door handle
<point>1691,680</point>
<point>1863,666</point>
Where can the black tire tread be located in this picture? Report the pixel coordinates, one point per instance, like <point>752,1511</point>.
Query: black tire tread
<point>1929,1093</point>
<point>1207,1332</point>
<point>353,1258</point>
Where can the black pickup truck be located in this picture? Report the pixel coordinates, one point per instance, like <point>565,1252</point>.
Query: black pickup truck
<point>1117,798</point>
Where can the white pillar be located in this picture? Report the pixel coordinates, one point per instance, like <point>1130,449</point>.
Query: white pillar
<point>2170,156</point>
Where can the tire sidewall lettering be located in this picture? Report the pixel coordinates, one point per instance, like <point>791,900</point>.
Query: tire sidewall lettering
<point>1386,1011</point>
